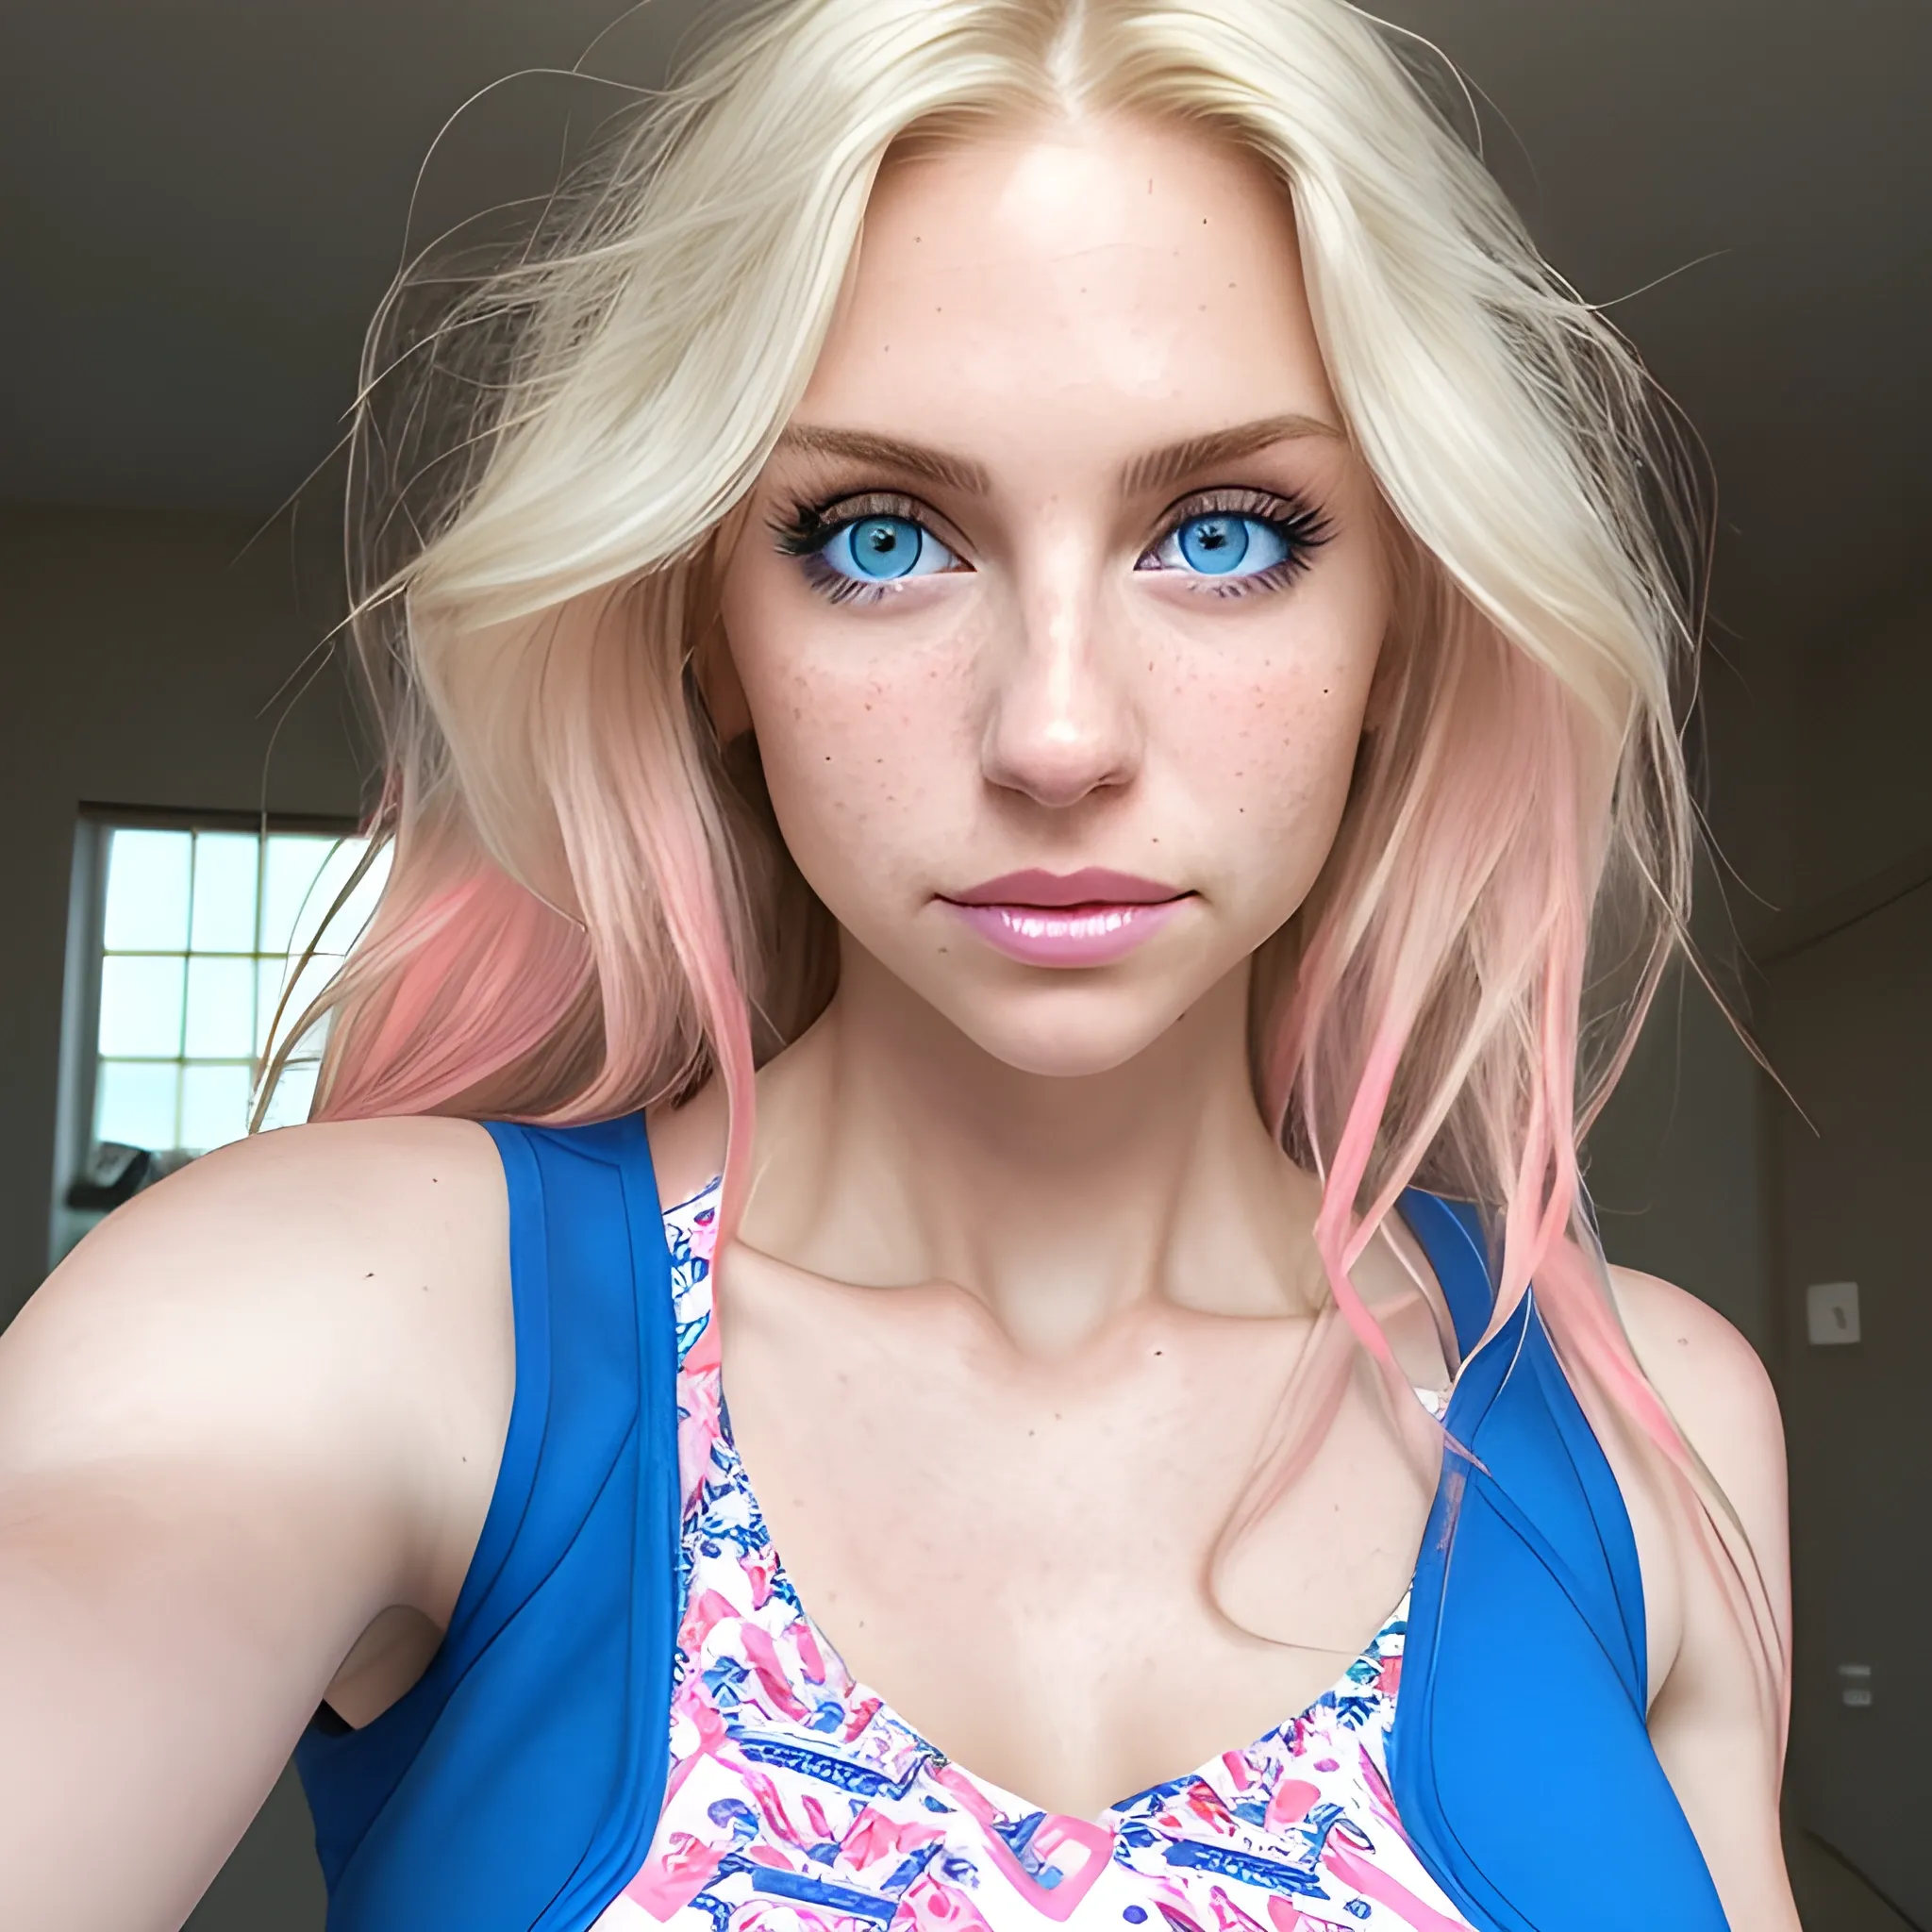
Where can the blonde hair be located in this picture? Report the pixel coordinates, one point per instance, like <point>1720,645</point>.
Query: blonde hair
<point>589,909</point>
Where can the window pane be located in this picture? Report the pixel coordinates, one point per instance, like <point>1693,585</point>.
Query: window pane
<point>135,1104</point>
<point>361,905</point>
<point>269,976</point>
<point>276,974</point>
<point>288,891</point>
<point>140,1006</point>
<point>147,891</point>
<point>225,865</point>
<point>214,1106</point>
<point>344,857</point>
<point>287,1105</point>
<point>220,1010</point>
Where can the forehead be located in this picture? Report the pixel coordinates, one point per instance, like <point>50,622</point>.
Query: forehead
<point>1114,283</point>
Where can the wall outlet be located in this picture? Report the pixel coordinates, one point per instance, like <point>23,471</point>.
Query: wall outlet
<point>1831,1313</point>
<point>1855,1685</point>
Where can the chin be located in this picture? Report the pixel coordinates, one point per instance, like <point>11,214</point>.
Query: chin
<point>1067,1033</point>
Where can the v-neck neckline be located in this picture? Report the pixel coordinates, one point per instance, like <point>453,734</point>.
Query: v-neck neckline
<point>1349,1681</point>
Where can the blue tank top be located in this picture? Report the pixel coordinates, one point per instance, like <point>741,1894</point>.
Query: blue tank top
<point>517,1786</point>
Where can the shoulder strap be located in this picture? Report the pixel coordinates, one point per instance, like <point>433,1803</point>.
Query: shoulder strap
<point>1520,1762</point>
<point>1452,1236</point>
<point>516,1787</point>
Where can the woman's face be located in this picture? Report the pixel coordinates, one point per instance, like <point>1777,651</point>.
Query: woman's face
<point>1058,603</point>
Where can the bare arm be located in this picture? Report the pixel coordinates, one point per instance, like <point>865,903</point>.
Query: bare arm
<point>257,1407</point>
<point>1719,1743</point>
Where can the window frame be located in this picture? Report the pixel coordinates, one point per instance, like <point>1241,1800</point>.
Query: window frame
<point>80,1007</point>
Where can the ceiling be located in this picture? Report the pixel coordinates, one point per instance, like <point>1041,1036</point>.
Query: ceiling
<point>203,199</point>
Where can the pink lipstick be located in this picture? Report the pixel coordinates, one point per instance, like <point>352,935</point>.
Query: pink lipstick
<point>1087,918</point>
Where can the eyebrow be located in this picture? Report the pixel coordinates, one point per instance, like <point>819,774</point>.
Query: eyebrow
<point>1157,469</point>
<point>1161,468</point>
<point>934,465</point>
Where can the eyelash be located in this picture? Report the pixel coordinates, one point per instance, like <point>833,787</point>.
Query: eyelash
<point>1303,526</point>
<point>806,529</point>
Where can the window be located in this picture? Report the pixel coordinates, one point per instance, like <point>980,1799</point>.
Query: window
<point>185,937</point>
<point>200,931</point>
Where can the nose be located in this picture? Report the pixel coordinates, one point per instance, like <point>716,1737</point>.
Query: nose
<point>1063,723</point>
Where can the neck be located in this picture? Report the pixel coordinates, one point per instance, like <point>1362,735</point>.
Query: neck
<point>892,1150</point>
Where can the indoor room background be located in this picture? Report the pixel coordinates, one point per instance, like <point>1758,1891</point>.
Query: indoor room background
<point>204,200</point>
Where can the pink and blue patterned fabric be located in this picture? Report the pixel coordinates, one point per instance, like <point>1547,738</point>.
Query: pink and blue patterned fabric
<point>798,1801</point>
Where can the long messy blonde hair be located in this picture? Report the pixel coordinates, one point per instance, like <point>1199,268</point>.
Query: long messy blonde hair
<point>588,909</point>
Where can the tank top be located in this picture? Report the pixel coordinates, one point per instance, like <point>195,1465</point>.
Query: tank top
<point>795,1791</point>
<point>564,1762</point>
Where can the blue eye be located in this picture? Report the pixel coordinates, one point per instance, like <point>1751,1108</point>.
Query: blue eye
<point>877,550</point>
<point>1223,544</point>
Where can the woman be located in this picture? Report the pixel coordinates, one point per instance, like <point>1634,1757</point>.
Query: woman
<point>1133,689</point>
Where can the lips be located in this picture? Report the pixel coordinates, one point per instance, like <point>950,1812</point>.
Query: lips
<point>1091,917</point>
<point>1093,885</point>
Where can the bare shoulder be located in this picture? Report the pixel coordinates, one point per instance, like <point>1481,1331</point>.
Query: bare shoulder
<point>249,1433</point>
<point>1716,1387</point>
<point>300,1289</point>
<point>1704,1370</point>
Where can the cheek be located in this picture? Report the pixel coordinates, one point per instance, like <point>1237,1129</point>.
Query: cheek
<point>861,747</point>
<point>1268,750</point>
<point>1265,714</point>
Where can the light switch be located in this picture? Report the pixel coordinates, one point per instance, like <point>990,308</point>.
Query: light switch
<point>1831,1312</point>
